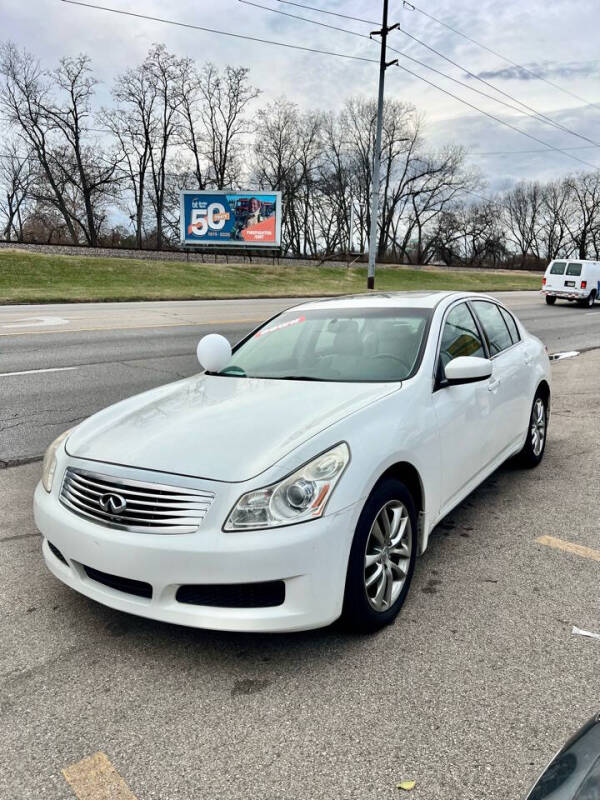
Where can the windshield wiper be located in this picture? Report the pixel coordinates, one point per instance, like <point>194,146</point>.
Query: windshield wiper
<point>300,378</point>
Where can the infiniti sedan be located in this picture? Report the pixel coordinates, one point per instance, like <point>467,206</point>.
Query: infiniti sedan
<point>298,477</point>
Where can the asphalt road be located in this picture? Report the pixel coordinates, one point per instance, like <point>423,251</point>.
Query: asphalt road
<point>104,352</point>
<point>469,693</point>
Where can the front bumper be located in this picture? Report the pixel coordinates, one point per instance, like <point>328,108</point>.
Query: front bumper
<point>311,558</point>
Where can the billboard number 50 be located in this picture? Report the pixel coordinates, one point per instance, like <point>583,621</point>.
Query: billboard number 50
<point>203,219</point>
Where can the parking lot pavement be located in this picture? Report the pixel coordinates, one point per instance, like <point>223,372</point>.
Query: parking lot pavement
<point>469,693</point>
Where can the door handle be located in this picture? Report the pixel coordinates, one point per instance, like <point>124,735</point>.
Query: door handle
<point>493,384</point>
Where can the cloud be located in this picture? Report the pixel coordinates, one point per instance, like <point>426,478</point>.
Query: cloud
<point>530,72</point>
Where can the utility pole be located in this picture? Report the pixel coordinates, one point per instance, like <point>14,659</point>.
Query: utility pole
<point>383,65</point>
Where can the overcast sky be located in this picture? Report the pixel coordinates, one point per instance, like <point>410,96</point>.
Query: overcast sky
<point>554,38</point>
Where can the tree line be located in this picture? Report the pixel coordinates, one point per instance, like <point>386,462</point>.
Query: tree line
<point>74,172</point>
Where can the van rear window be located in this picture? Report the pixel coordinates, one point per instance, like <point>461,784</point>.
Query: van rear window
<point>558,268</point>
<point>573,268</point>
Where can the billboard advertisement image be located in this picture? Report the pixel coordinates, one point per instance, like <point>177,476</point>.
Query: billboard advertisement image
<point>219,217</point>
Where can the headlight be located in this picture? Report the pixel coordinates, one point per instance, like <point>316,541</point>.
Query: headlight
<point>297,498</point>
<point>49,465</point>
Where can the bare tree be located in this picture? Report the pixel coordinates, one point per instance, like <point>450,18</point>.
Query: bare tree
<point>523,209</point>
<point>583,219</point>
<point>16,178</point>
<point>553,224</point>
<point>163,71</point>
<point>214,108</point>
<point>50,111</point>
<point>133,124</point>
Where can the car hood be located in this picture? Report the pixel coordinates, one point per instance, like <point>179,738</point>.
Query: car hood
<point>225,429</point>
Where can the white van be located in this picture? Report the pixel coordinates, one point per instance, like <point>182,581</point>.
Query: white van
<point>572,280</point>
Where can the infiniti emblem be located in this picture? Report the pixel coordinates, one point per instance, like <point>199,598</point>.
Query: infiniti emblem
<point>112,503</point>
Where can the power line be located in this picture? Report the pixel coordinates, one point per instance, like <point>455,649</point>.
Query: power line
<point>536,116</point>
<point>496,119</point>
<point>496,89</point>
<point>324,52</point>
<point>219,32</point>
<point>331,13</point>
<point>524,152</point>
<point>496,53</point>
<point>537,113</point>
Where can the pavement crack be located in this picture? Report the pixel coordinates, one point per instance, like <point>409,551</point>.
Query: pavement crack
<point>19,536</point>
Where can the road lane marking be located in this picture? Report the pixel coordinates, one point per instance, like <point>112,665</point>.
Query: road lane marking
<point>35,371</point>
<point>95,778</point>
<point>190,324</point>
<point>42,322</point>
<point>570,547</point>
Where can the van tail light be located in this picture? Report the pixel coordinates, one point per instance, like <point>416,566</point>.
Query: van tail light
<point>543,281</point>
<point>584,284</point>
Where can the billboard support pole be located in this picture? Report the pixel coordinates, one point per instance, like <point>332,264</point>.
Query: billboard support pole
<point>383,65</point>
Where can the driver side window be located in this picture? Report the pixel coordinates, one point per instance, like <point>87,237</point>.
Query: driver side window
<point>460,336</point>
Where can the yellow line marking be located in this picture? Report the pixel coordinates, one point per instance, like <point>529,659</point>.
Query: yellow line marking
<point>570,547</point>
<point>95,778</point>
<point>185,324</point>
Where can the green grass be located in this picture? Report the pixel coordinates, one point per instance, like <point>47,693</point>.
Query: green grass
<point>40,278</point>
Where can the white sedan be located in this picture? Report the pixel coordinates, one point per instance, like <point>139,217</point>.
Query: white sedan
<point>296,480</point>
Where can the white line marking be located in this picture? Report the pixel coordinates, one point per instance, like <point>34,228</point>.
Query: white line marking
<point>585,633</point>
<point>34,371</point>
<point>37,322</point>
<point>560,356</point>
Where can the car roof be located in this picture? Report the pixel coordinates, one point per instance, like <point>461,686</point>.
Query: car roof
<point>416,299</point>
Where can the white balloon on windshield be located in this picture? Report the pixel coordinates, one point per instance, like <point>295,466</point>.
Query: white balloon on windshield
<point>214,352</point>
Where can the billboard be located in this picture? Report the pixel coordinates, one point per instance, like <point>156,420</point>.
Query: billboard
<point>219,217</point>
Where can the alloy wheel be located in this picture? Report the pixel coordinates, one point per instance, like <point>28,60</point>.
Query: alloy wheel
<point>538,426</point>
<point>387,555</point>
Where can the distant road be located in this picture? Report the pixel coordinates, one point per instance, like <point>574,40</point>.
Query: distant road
<point>61,363</point>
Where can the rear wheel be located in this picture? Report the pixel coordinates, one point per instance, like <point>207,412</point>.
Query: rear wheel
<point>535,443</point>
<point>589,301</point>
<point>382,558</point>
<point>550,300</point>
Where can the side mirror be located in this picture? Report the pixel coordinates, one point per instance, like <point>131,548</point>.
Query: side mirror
<point>467,369</point>
<point>214,352</point>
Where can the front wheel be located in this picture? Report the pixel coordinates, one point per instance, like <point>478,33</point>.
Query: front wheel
<point>550,300</point>
<point>382,558</point>
<point>535,443</point>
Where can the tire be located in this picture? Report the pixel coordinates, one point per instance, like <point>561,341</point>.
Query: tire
<point>589,300</point>
<point>550,300</point>
<point>367,607</point>
<point>535,443</point>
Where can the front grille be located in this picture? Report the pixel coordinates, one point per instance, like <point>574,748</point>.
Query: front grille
<point>132,505</point>
<point>234,595</point>
<point>127,585</point>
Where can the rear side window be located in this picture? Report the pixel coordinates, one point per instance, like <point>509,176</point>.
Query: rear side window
<point>558,268</point>
<point>511,325</point>
<point>574,268</point>
<point>494,327</point>
<point>460,336</point>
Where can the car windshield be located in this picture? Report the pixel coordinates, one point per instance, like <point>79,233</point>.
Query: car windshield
<point>335,345</point>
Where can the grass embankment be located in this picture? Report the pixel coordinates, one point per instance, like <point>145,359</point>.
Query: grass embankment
<point>42,278</point>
